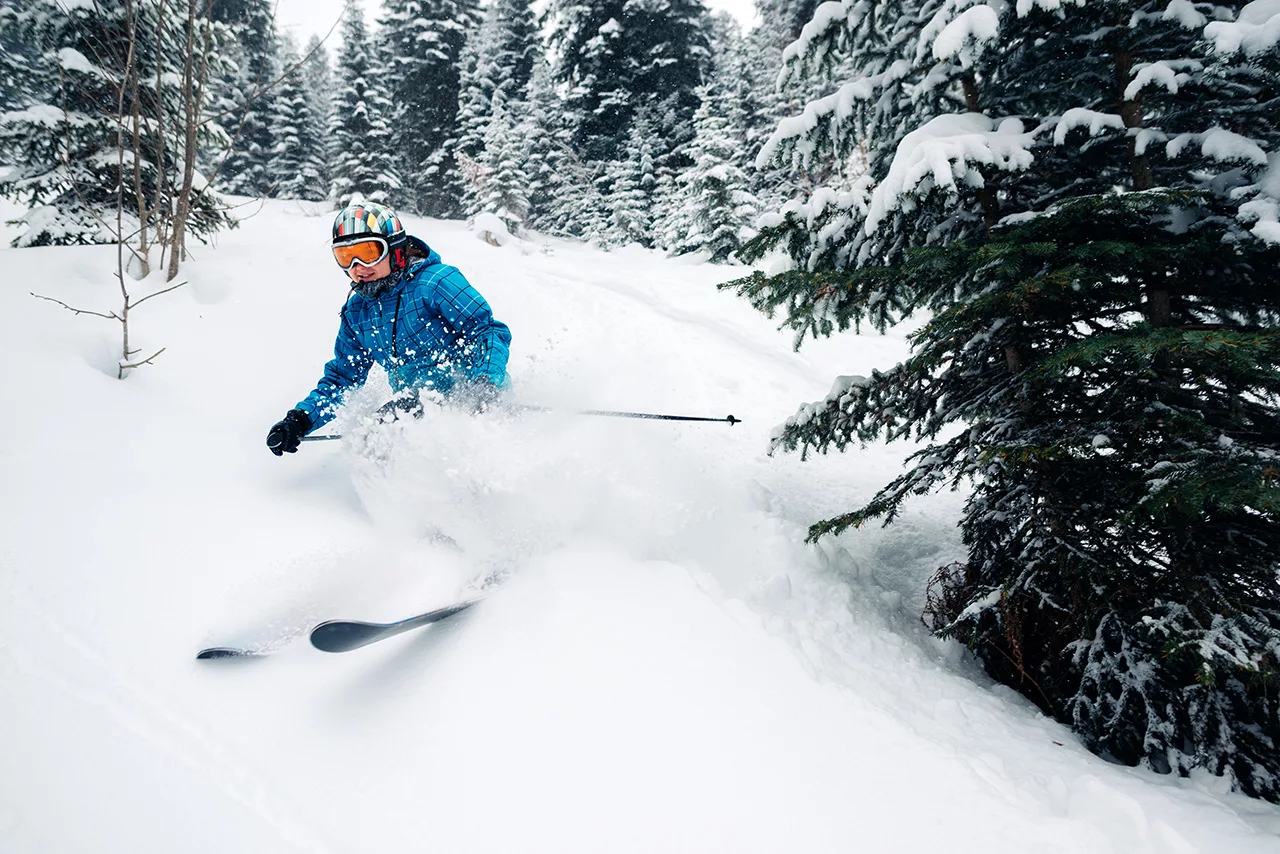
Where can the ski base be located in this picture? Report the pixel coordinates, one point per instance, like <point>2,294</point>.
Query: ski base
<point>347,635</point>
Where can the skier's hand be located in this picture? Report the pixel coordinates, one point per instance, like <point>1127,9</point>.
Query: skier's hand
<point>476,395</point>
<point>406,405</point>
<point>286,434</point>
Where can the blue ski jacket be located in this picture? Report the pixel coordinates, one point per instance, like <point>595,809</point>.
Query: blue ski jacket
<point>430,331</point>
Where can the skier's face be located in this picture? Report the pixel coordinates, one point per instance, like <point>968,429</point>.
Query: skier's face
<point>360,273</point>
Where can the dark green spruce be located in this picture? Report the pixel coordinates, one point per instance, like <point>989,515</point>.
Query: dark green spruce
<point>1097,357</point>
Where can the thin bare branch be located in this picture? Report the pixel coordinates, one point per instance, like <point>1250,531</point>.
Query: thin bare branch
<point>74,310</point>
<point>156,294</point>
<point>147,361</point>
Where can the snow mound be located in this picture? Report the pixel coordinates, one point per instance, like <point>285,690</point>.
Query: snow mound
<point>490,228</point>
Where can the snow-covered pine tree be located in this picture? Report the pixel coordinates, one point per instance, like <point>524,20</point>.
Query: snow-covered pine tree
<point>617,56</point>
<point>1079,196</point>
<point>70,148</point>
<point>784,19</point>
<point>475,97</point>
<point>499,57</point>
<point>764,106</point>
<point>504,188</point>
<point>669,50</point>
<point>715,208</point>
<point>557,179</point>
<point>423,42</point>
<point>17,84</point>
<point>318,86</point>
<point>591,62</point>
<point>249,124</point>
<point>517,46</point>
<point>296,168</point>
<point>360,143</point>
<point>632,184</point>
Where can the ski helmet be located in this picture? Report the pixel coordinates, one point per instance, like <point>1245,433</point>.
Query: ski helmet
<point>370,219</point>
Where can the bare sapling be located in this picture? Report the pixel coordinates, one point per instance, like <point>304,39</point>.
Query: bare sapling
<point>130,140</point>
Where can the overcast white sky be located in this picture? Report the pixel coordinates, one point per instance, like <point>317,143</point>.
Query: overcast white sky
<point>314,17</point>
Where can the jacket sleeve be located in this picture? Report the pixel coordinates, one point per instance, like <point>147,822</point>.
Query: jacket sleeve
<point>484,342</point>
<point>347,370</point>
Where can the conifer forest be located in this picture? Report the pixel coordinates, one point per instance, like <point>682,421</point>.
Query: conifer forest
<point>1074,205</point>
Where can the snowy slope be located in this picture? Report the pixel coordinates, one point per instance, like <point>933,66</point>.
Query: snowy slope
<point>667,667</point>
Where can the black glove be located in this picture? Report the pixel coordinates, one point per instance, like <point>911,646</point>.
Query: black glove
<point>476,395</point>
<point>287,433</point>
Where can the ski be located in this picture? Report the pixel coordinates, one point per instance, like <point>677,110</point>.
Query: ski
<point>346,635</point>
<point>216,652</point>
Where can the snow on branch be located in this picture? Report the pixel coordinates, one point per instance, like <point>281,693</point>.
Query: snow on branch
<point>963,37</point>
<point>945,153</point>
<point>1095,121</point>
<point>1185,13</point>
<point>827,16</point>
<point>1264,213</point>
<point>1024,7</point>
<point>1169,74</point>
<point>1219,144</point>
<point>1268,219</point>
<point>1257,29</point>
<point>840,103</point>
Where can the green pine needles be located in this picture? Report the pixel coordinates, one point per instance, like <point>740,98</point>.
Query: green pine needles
<point>1077,203</point>
<point>1117,378</point>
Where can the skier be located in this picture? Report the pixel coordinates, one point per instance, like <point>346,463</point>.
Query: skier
<point>416,317</point>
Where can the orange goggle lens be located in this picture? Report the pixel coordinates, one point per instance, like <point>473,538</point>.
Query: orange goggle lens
<point>369,251</point>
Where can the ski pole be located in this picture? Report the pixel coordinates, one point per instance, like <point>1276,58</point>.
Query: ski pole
<point>728,419</point>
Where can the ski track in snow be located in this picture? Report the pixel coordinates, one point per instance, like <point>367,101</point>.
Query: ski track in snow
<point>666,666</point>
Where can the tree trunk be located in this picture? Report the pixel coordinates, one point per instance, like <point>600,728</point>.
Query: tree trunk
<point>1159,300</point>
<point>987,197</point>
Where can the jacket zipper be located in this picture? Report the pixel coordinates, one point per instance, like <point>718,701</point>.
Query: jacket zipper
<point>395,320</point>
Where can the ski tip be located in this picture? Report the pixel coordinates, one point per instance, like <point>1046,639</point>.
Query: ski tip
<point>349,635</point>
<point>215,653</point>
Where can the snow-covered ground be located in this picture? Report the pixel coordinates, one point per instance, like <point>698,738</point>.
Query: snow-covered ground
<point>667,667</point>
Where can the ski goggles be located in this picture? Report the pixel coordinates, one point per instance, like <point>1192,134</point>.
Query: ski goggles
<point>366,250</point>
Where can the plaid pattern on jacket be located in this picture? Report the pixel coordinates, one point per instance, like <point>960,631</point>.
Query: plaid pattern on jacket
<point>429,331</point>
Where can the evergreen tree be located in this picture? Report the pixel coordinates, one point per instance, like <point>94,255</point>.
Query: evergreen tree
<point>423,40</point>
<point>479,69</point>
<point>632,186</point>
<point>296,169</point>
<point>784,19</point>
<point>517,46</point>
<point>714,209</point>
<point>1077,195</point>
<point>498,57</point>
<point>317,85</point>
<point>504,189</point>
<point>18,87</point>
<point>360,141</point>
<point>555,173</point>
<point>618,56</point>
<point>763,106</point>
<point>249,121</point>
<point>70,149</point>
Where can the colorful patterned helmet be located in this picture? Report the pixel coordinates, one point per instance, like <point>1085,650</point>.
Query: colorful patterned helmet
<point>370,218</point>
